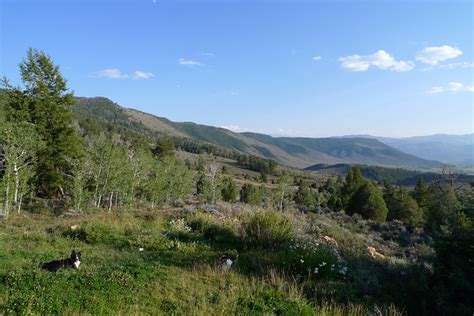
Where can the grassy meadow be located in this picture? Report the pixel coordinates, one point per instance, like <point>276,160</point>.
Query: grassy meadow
<point>166,262</point>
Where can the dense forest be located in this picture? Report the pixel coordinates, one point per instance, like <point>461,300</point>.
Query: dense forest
<point>56,158</point>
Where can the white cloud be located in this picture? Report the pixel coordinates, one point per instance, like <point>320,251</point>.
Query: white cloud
<point>142,75</point>
<point>381,59</point>
<point>112,73</point>
<point>453,87</point>
<point>189,62</point>
<point>434,55</point>
<point>317,58</point>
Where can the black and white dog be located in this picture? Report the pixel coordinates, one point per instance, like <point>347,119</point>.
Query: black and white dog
<point>72,262</point>
<point>226,263</point>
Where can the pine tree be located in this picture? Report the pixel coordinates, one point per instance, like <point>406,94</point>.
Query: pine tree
<point>403,207</point>
<point>442,204</point>
<point>164,148</point>
<point>421,194</point>
<point>304,197</point>
<point>229,190</point>
<point>45,102</point>
<point>368,202</point>
<point>354,181</point>
<point>251,194</point>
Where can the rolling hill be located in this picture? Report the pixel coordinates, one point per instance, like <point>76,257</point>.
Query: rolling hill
<point>450,149</point>
<point>295,152</point>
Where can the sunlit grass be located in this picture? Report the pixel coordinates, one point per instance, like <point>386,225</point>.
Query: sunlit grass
<point>136,263</point>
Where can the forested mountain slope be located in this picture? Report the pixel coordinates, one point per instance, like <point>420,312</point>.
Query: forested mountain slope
<point>296,152</point>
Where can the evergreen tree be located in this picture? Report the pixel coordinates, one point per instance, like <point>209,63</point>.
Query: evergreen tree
<point>164,148</point>
<point>251,194</point>
<point>403,207</point>
<point>304,197</point>
<point>354,181</point>
<point>203,187</point>
<point>368,202</point>
<point>421,195</point>
<point>442,205</point>
<point>229,190</point>
<point>45,102</point>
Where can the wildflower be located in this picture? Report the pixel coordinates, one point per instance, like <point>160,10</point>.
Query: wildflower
<point>316,270</point>
<point>301,260</point>
<point>140,249</point>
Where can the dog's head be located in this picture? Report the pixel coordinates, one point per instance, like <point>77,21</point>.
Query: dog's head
<point>75,256</point>
<point>224,259</point>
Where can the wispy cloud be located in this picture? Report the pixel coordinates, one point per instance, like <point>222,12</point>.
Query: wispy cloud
<point>463,64</point>
<point>434,55</point>
<point>111,73</point>
<point>453,87</point>
<point>316,58</point>
<point>381,59</point>
<point>114,73</point>
<point>142,75</point>
<point>189,62</point>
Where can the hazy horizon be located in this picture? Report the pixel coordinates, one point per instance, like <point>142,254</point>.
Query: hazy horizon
<point>299,68</point>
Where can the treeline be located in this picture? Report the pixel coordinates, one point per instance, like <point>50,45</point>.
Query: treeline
<point>431,205</point>
<point>43,155</point>
<point>395,176</point>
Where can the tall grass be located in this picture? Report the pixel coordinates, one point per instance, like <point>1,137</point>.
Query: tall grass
<point>149,263</point>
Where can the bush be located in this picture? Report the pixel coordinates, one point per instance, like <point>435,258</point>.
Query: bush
<point>368,202</point>
<point>310,259</point>
<point>267,229</point>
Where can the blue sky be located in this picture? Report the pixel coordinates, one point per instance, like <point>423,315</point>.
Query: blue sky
<point>297,68</point>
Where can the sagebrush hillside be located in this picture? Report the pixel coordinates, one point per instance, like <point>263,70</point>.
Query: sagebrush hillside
<point>296,152</point>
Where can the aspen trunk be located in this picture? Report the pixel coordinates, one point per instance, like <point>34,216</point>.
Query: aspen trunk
<point>111,200</point>
<point>17,183</point>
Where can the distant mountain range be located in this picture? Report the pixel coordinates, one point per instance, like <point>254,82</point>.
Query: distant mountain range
<point>297,152</point>
<point>450,149</point>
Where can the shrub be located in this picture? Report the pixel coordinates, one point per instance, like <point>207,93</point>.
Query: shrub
<point>267,229</point>
<point>307,258</point>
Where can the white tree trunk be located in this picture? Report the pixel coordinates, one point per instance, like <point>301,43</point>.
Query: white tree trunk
<point>17,183</point>
<point>111,200</point>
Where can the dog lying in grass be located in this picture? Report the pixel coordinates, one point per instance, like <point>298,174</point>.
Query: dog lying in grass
<point>226,263</point>
<point>72,262</point>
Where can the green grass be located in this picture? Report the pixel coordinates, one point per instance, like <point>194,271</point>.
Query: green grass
<point>175,274</point>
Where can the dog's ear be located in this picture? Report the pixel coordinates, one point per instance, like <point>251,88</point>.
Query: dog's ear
<point>73,252</point>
